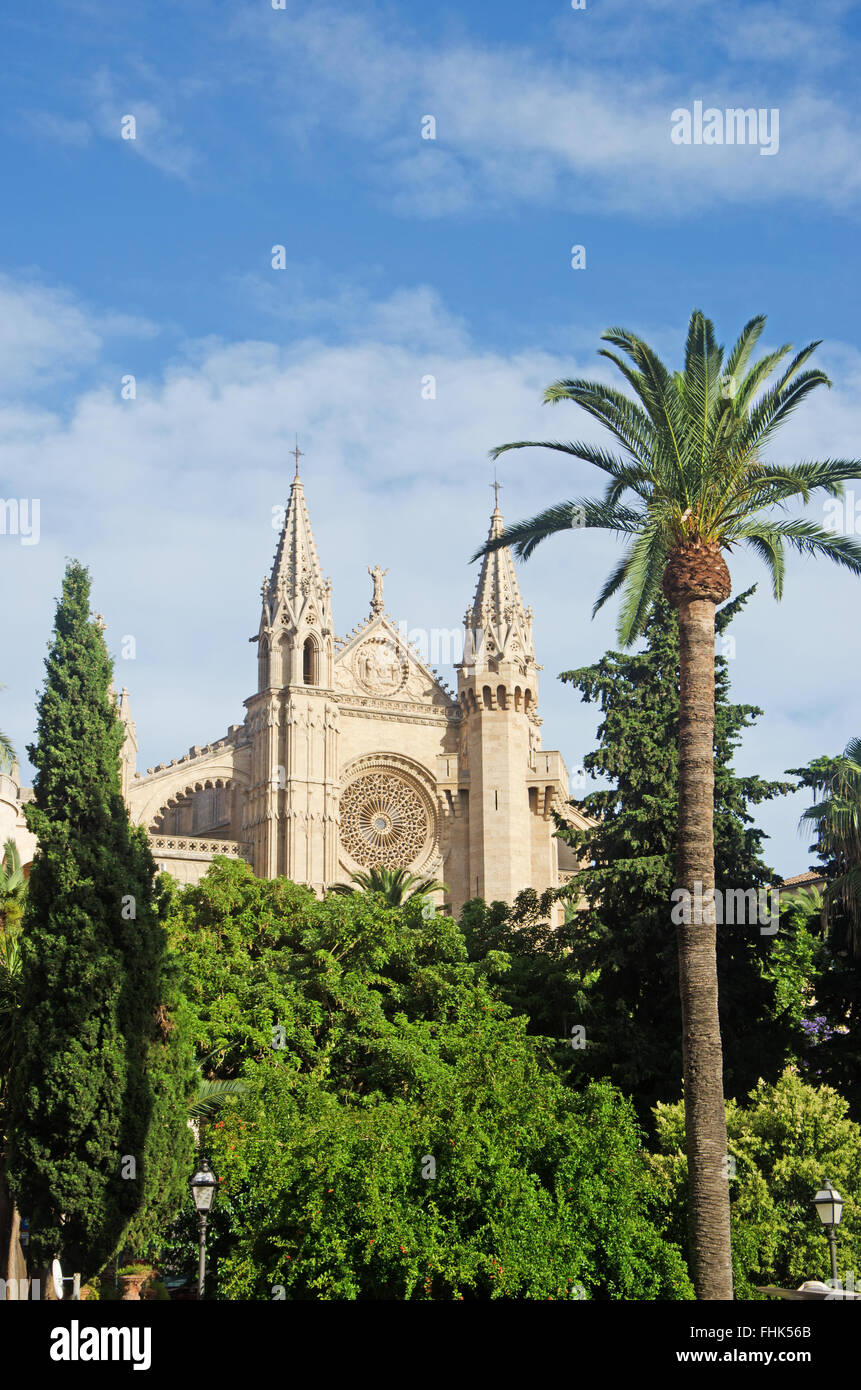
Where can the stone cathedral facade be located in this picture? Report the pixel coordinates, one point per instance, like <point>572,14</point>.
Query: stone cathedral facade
<point>354,753</point>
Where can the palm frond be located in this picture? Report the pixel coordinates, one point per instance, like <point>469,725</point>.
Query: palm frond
<point>769,548</point>
<point>642,582</point>
<point>614,582</point>
<point>747,341</point>
<point>211,1095</point>
<point>586,514</point>
<point>7,752</point>
<point>775,407</point>
<point>807,538</point>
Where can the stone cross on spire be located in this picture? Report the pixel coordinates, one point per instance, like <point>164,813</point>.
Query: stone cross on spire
<point>496,486</point>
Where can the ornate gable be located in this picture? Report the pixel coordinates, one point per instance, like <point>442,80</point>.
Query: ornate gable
<point>376,666</point>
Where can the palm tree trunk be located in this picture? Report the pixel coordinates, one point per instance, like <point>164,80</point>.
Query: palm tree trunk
<point>705,1116</point>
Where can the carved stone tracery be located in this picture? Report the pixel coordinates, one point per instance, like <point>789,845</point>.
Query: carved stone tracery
<point>386,819</point>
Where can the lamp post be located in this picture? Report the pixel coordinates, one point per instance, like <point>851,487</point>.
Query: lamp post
<point>202,1185</point>
<point>829,1207</point>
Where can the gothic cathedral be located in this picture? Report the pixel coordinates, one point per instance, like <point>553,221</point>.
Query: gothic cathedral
<point>353,753</point>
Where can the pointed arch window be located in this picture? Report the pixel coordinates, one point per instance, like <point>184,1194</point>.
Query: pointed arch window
<point>310,674</point>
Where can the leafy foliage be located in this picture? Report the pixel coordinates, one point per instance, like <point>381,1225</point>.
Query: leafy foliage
<point>837,820</point>
<point>533,964</point>
<point>396,1051</point>
<point>84,1090</point>
<point>13,895</point>
<point>612,968</point>
<point>786,1141</point>
<point>835,1055</point>
<point>622,963</point>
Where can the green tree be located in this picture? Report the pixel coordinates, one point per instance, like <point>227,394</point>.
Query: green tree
<point>784,1142</point>
<point>692,444</point>
<point>82,1102</point>
<point>168,1151</point>
<point>837,821</point>
<point>10,992</point>
<point>485,1179</point>
<point>370,1045</point>
<point>531,962</point>
<point>267,966</point>
<point>834,1024</point>
<point>622,962</point>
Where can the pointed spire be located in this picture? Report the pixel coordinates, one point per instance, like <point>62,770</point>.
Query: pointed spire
<point>129,755</point>
<point>296,568</point>
<point>497,593</point>
<point>497,610</point>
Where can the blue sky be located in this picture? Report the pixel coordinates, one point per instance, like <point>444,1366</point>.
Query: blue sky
<point>302,127</point>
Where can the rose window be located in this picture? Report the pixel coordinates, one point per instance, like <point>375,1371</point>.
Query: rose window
<point>384,820</point>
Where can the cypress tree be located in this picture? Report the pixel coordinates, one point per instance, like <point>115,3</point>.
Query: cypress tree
<point>92,968</point>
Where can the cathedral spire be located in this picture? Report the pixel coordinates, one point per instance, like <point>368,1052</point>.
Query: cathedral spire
<point>501,625</point>
<point>295,635</point>
<point>296,568</point>
<point>129,755</point>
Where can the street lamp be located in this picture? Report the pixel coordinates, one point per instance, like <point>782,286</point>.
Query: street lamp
<point>829,1206</point>
<point>202,1184</point>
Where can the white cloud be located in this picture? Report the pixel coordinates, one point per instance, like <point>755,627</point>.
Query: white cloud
<point>535,125</point>
<point>581,113</point>
<point>47,338</point>
<point>169,499</point>
<point>58,130</point>
<point>312,299</point>
<point>158,137</point>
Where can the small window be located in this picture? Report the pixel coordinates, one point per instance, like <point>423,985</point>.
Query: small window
<point>309,661</point>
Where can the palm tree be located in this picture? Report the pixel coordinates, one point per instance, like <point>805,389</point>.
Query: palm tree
<point>397,886</point>
<point>689,485</point>
<point>838,825</point>
<point>13,887</point>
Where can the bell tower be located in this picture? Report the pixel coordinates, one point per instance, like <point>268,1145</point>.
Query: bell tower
<point>291,811</point>
<point>498,694</point>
